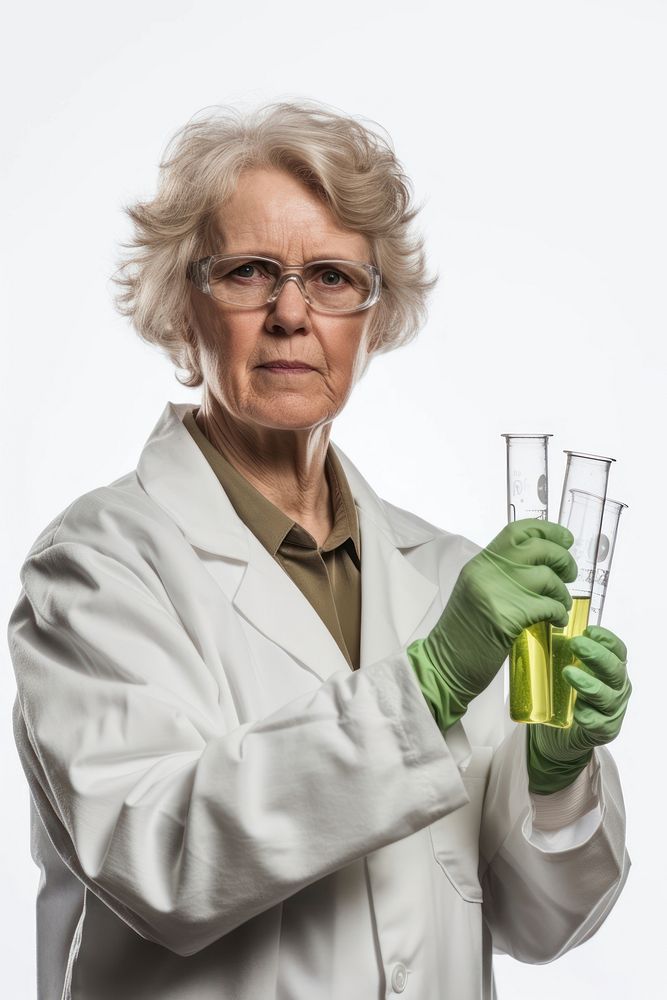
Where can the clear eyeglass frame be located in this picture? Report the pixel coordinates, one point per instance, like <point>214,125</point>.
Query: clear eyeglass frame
<point>198,272</point>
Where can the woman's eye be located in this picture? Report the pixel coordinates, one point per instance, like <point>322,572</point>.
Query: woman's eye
<point>244,270</point>
<point>335,275</point>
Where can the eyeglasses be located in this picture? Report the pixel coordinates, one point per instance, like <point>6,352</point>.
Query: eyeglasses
<point>332,286</point>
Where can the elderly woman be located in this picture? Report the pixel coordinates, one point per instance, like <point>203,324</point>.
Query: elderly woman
<point>260,709</point>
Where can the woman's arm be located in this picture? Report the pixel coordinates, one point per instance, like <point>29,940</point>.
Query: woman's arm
<point>545,893</point>
<point>184,826</point>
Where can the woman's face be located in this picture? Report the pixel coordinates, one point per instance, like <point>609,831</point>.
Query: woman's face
<point>273,214</point>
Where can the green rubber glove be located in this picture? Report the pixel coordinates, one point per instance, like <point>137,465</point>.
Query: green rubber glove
<point>557,756</point>
<point>516,581</point>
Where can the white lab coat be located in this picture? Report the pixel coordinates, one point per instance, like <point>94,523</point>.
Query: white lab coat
<point>223,810</point>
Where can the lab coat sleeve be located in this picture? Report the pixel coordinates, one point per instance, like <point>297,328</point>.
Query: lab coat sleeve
<point>184,825</point>
<point>564,819</point>
<point>548,886</point>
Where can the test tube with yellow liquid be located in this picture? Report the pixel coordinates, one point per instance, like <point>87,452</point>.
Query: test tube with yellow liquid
<point>530,656</point>
<point>581,511</point>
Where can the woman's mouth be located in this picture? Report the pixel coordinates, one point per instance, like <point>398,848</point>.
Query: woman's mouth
<point>287,369</point>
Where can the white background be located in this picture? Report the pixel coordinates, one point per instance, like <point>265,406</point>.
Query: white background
<point>534,134</point>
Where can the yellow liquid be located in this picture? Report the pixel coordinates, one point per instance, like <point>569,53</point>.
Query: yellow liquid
<point>530,675</point>
<point>538,690</point>
<point>564,696</point>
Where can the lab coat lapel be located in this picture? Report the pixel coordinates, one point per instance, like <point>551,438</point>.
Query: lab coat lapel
<point>395,595</point>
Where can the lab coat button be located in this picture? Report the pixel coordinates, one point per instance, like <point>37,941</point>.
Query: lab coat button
<point>399,977</point>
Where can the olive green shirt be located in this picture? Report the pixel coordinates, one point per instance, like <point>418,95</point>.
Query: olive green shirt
<point>330,576</point>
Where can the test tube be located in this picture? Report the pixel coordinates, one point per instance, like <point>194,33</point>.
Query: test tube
<point>610,518</point>
<point>530,655</point>
<point>527,476</point>
<point>581,510</point>
<point>583,472</point>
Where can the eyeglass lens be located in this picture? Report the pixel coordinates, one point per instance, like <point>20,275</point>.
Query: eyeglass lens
<point>249,281</point>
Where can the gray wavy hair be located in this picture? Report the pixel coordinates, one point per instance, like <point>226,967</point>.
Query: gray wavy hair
<point>349,165</point>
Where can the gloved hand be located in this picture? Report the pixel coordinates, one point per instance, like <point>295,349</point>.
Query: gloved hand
<point>516,581</point>
<point>556,756</point>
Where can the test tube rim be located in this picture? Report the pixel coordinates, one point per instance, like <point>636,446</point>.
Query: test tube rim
<point>606,500</point>
<point>586,454</point>
<point>526,435</point>
<point>587,493</point>
<point>617,503</point>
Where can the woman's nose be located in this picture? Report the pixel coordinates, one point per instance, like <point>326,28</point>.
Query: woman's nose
<point>289,310</point>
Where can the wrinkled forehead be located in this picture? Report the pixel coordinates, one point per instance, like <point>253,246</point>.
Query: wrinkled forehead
<point>275,214</point>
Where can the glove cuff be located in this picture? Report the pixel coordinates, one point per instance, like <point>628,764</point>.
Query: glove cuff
<point>445,707</point>
<point>546,775</point>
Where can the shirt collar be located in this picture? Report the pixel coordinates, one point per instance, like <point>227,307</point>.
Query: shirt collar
<point>270,524</point>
